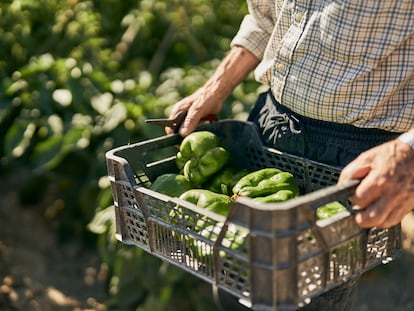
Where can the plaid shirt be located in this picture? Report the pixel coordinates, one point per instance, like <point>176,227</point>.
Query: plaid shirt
<point>345,61</point>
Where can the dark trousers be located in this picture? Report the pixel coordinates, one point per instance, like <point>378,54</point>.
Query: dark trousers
<point>326,142</point>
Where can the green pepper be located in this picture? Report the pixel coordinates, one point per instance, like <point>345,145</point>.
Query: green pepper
<point>234,238</point>
<point>264,182</point>
<point>215,202</point>
<point>224,181</point>
<point>201,156</point>
<point>330,209</point>
<point>279,196</point>
<point>171,184</point>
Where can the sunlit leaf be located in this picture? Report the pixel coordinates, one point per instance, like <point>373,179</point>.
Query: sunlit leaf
<point>48,153</point>
<point>62,97</point>
<point>103,221</point>
<point>85,75</point>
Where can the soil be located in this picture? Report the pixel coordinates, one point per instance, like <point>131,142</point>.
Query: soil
<point>39,274</point>
<point>36,272</point>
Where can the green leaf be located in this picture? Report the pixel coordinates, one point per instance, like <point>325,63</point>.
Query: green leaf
<point>103,221</point>
<point>49,152</point>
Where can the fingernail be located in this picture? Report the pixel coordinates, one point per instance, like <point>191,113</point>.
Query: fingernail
<point>183,132</point>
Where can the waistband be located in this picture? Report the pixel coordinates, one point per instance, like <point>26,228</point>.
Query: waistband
<point>319,130</point>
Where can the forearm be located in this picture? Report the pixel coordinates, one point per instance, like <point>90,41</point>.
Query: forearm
<point>234,68</point>
<point>208,99</point>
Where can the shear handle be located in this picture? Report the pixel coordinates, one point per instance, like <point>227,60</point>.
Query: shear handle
<point>176,122</point>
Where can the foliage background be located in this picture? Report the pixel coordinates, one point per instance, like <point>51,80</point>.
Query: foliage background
<point>79,77</point>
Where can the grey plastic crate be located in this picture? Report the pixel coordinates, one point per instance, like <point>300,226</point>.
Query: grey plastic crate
<point>272,257</point>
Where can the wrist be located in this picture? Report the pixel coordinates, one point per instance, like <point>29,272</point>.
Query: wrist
<point>407,138</point>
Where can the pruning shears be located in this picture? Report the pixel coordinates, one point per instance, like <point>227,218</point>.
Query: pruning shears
<point>175,123</point>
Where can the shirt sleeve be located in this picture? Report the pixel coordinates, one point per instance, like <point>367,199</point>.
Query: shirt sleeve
<point>252,36</point>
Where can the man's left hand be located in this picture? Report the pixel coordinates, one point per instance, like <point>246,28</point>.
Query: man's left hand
<point>386,192</point>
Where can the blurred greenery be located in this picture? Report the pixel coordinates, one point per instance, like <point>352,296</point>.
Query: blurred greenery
<point>77,79</point>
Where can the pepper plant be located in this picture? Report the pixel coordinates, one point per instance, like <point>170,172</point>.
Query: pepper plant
<point>77,78</point>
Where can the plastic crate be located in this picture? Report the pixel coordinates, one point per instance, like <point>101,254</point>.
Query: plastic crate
<point>272,257</point>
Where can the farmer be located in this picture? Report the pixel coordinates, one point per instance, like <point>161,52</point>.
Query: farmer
<point>341,92</point>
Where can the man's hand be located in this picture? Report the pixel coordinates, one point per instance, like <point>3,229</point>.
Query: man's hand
<point>198,105</point>
<point>386,192</point>
<point>209,99</point>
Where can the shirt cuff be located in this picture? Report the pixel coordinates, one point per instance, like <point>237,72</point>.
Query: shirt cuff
<point>407,138</point>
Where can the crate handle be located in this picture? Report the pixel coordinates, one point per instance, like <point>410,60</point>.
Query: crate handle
<point>326,195</point>
<point>341,192</point>
<point>348,188</point>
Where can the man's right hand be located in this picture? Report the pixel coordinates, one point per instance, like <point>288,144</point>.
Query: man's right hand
<point>209,99</point>
<point>198,105</point>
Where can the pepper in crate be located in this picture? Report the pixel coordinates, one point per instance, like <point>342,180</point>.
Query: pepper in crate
<point>201,156</point>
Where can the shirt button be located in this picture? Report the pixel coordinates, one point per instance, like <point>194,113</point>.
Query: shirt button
<point>280,67</point>
<point>298,17</point>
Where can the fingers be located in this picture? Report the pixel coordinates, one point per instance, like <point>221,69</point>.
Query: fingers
<point>198,105</point>
<point>376,201</point>
<point>168,130</point>
<point>370,189</point>
<point>190,123</point>
<point>357,169</point>
<point>181,106</point>
<point>387,211</point>
<point>385,194</point>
